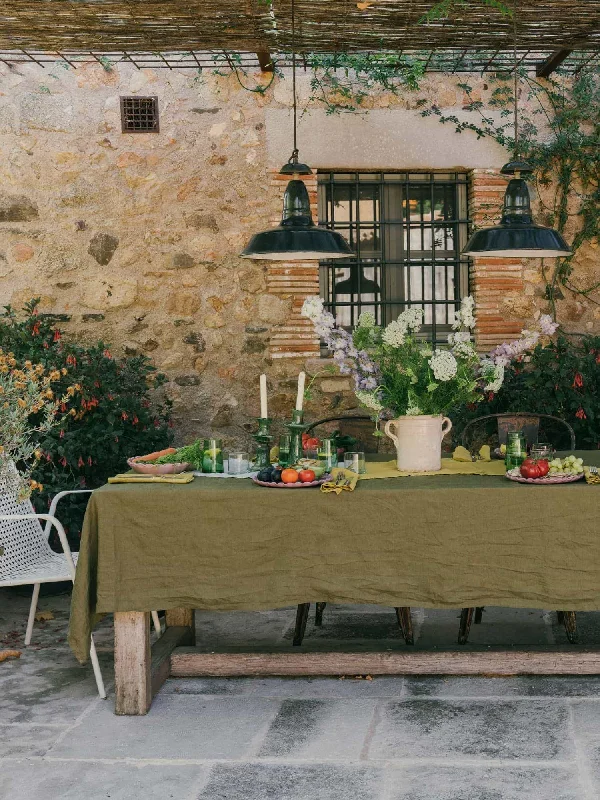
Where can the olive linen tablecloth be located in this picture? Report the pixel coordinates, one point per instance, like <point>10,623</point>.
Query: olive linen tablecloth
<point>434,541</point>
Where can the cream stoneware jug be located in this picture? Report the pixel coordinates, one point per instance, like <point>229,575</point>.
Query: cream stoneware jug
<point>418,441</point>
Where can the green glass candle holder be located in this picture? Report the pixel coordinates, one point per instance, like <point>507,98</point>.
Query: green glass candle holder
<point>263,447</point>
<point>296,428</point>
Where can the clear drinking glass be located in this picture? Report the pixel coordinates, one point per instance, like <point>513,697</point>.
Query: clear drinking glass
<point>212,456</point>
<point>327,454</point>
<point>542,450</point>
<point>238,463</point>
<point>355,462</point>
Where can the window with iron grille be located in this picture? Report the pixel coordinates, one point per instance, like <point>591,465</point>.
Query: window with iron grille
<point>407,230</point>
<point>139,114</point>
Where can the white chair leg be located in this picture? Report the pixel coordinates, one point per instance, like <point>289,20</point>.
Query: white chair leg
<point>96,667</point>
<point>32,609</point>
<point>156,622</point>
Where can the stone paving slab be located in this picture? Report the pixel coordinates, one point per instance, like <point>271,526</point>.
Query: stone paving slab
<point>435,782</point>
<point>313,729</point>
<point>177,727</point>
<point>521,686</point>
<point>80,780</point>
<point>28,740</point>
<point>298,688</point>
<point>463,729</point>
<point>293,782</point>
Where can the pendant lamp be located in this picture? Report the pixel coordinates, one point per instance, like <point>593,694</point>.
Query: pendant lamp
<point>517,235</point>
<point>296,238</point>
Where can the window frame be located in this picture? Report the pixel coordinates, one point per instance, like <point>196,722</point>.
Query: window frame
<point>391,304</point>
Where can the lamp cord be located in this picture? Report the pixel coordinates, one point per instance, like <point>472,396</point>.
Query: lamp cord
<point>516,85</point>
<point>295,153</point>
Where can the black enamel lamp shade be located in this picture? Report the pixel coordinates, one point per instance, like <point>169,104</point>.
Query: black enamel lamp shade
<point>297,238</point>
<point>517,235</point>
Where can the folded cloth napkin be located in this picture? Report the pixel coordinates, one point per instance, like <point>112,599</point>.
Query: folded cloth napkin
<point>135,477</point>
<point>591,477</point>
<point>341,480</point>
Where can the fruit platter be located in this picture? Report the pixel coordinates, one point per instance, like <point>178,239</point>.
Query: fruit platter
<point>544,472</point>
<point>290,478</point>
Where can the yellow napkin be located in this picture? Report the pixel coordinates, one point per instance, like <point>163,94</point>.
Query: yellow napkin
<point>342,480</point>
<point>591,477</point>
<point>388,469</point>
<point>133,477</point>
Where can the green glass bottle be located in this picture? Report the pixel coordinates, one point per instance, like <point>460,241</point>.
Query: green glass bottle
<point>212,456</point>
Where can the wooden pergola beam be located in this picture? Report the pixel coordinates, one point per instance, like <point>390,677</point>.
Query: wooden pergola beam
<point>554,60</point>
<point>265,61</point>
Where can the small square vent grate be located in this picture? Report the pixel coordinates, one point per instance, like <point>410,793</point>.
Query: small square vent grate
<point>139,114</point>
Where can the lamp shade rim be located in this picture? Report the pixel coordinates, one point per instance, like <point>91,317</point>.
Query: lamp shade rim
<point>517,240</point>
<point>297,243</point>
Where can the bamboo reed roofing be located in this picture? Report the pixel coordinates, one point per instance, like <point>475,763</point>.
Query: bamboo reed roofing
<point>171,31</point>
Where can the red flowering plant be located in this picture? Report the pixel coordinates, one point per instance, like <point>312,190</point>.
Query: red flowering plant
<point>561,378</point>
<point>116,413</point>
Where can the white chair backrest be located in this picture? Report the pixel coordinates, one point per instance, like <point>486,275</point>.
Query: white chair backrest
<point>22,541</point>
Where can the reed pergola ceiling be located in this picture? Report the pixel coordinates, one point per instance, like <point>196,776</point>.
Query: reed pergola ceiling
<point>171,33</point>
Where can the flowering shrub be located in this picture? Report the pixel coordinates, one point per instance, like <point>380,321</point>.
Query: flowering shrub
<point>561,379</point>
<point>115,414</point>
<point>396,373</point>
<point>29,408</point>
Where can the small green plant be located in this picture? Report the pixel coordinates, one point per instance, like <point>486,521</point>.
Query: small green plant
<point>116,413</point>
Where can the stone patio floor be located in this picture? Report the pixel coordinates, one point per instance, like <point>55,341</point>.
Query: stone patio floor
<point>417,738</point>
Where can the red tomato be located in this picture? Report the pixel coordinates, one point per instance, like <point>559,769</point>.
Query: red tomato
<point>544,467</point>
<point>306,475</point>
<point>311,443</point>
<point>531,469</point>
<point>289,476</point>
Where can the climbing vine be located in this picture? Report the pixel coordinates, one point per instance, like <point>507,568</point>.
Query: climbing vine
<point>560,137</point>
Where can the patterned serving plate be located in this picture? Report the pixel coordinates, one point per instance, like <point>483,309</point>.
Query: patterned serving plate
<point>515,475</point>
<point>156,469</point>
<point>297,485</point>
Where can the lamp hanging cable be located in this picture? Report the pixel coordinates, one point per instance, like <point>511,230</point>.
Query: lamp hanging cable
<point>295,153</point>
<point>516,83</point>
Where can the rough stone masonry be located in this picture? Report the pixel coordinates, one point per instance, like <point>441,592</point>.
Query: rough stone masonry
<point>136,236</point>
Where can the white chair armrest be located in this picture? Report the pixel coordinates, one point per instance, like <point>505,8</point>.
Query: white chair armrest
<point>55,501</point>
<point>50,520</point>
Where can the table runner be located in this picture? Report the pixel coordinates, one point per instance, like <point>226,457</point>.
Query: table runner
<point>437,542</point>
<point>388,469</point>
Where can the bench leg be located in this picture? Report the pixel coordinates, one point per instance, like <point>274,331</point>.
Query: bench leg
<point>570,623</point>
<point>133,688</point>
<point>466,616</point>
<point>319,614</point>
<point>182,618</point>
<point>405,621</point>
<point>478,614</point>
<point>301,619</point>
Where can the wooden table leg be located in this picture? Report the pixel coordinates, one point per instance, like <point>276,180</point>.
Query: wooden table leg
<point>132,662</point>
<point>183,618</point>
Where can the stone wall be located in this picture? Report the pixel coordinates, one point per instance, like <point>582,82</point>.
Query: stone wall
<point>136,236</point>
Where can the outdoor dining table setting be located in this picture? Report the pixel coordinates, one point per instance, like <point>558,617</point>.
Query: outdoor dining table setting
<point>183,535</point>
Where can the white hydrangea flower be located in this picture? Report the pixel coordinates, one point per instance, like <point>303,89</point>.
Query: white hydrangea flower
<point>412,318</point>
<point>394,334</point>
<point>366,320</point>
<point>369,400</point>
<point>443,365</point>
<point>413,411</point>
<point>312,307</point>
<point>464,318</point>
<point>496,382</point>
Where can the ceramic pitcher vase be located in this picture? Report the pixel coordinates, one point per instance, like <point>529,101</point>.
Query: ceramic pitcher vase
<point>418,441</point>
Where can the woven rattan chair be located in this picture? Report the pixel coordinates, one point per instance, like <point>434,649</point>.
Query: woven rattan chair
<point>535,427</point>
<point>361,428</point>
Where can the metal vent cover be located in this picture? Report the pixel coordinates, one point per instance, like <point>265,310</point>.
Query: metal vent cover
<point>139,114</point>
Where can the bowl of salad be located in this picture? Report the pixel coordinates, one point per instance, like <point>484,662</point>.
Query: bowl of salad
<point>170,461</point>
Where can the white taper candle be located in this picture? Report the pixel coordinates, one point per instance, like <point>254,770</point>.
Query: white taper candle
<point>263,396</point>
<point>300,395</point>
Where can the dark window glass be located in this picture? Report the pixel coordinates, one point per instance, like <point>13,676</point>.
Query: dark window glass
<point>407,230</point>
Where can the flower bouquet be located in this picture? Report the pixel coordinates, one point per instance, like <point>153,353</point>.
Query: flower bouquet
<point>406,380</point>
